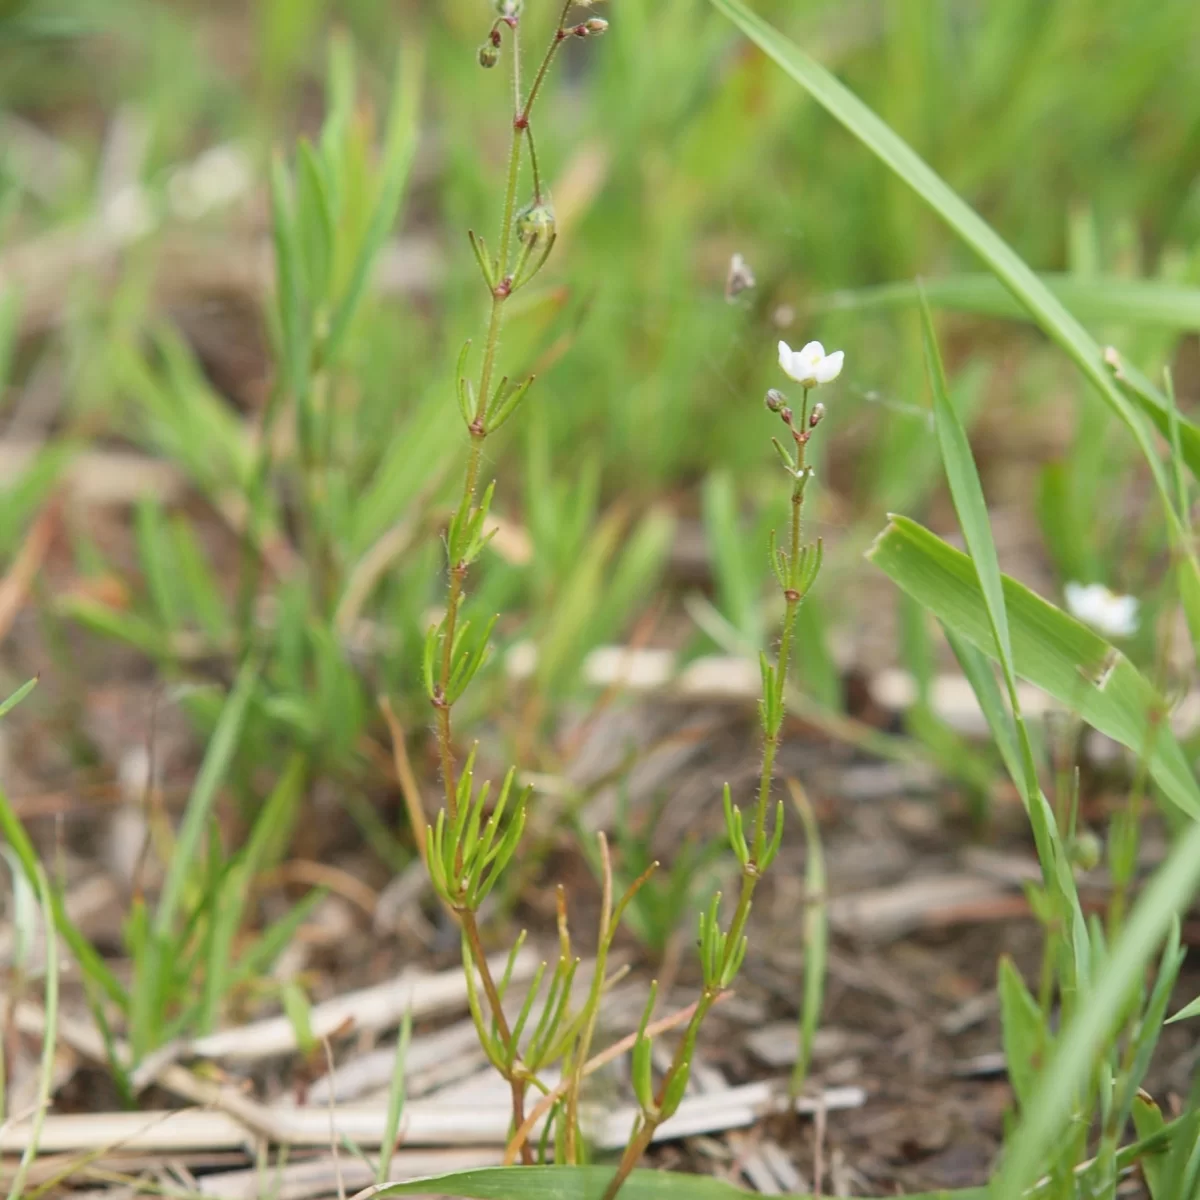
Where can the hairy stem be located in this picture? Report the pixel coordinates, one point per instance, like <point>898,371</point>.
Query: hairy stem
<point>457,585</point>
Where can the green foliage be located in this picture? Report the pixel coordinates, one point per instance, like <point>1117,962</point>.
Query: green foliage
<point>1050,649</point>
<point>659,151</point>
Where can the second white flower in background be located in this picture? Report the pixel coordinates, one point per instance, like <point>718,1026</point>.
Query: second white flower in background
<point>810,365</point>
<point>1102,609</point>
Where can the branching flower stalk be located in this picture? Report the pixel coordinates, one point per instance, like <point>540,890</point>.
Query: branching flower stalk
<point>465,852</point>
<point>722,952</point>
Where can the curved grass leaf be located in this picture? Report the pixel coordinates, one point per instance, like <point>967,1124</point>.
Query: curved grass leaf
<point>1050,649</point>
<point>1151,302</point>
<point>1045,308</point>
<point>971,507</point>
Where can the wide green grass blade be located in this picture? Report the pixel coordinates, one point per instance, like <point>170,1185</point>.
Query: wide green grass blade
<point>1101,300</point>
<point>1050,649</point>
<point>588,1183</point>
<point>971,507</point>
<point>1045,308</point>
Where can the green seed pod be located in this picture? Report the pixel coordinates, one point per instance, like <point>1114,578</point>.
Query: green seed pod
<point>536,224</point>
<point>489,56</point>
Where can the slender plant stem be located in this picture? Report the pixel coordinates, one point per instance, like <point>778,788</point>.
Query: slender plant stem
<point>648,1122</point>
<point>516,1076</point>
<point>556,40</point>
<point>584,1047</point>
<point>533,166</point>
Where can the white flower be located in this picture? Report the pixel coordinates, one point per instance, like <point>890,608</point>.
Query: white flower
<point>810,365</point>
<point>1104,611</point>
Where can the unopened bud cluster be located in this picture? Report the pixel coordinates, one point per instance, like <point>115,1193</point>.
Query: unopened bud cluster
<point>589,28</point>
<point>811,367</point>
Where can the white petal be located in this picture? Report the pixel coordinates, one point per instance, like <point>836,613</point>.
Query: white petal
<point>1123,615</point>
<point>830,367</point>
<point>785,357</point>
<point>1078,597</point>
<point>812,352</point>
<point>1110,614</point>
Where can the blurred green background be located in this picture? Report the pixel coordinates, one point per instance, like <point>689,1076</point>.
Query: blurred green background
<point>670,145</point>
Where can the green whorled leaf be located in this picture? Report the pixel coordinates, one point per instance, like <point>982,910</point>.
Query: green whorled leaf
<point>588,1183</point>
<point>1008,267</point>
<point>1050,649</point>
<point>1125,301</point>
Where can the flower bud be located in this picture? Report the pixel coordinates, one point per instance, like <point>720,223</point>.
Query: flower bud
<point>509,8</point>
<point>489,56</point>
<point>536,224</point>
<point>596,25</point>
<point>775,400</point>
<point>814,417</point>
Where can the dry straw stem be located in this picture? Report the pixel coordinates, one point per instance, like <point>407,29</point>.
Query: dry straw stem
<point>375,1008</point>
<point>426,1124</point>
